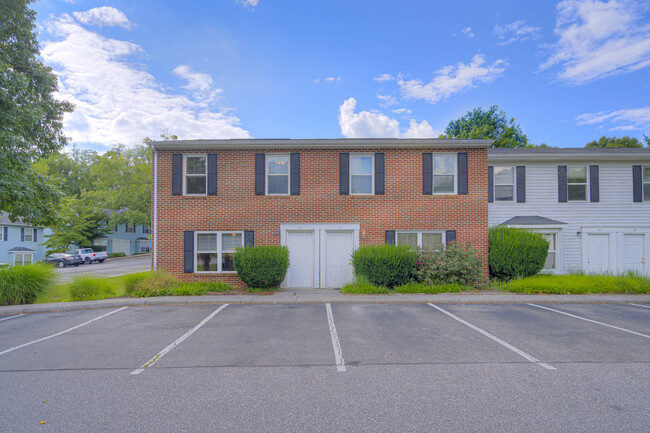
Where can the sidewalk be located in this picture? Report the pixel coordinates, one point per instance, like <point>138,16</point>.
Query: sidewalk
<point>320,296</point>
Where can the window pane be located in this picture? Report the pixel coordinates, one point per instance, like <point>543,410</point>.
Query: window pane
<point>360,164</point>
<point>27,259</point>
<point>550,238</point>
<point>230,241</point>
<point>443,184</point>
<point>277,164</point>
<point>431,241</point>
<point>577,174</point>
<point>443,164</point>
<point>504,175</point>
<point>226,262</point>
<point>206,242</point>
<point>577,192</point>
<point>361,185</point>
<point>504,193</point>
<point>550,261</point>
<point>195,165</point>
<point>195,185</point>
<point>410,239</point>
<point>28,235</point>
<point>646,174</point>
<point>206,262</point>
<point>278,184</point>
<point>646,191</point>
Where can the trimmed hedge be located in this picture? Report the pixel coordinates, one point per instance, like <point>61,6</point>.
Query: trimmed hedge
<point>23,284</point>
<point>262,267</point>
<point>515,252</point>
<point>385,265</point>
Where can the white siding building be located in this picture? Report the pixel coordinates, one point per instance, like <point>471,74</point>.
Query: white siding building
<point>592,205</point>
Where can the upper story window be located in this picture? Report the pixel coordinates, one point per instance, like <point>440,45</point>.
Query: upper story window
<point>362,174</point>
<point>29,235</point>
<point>444,174</point>
<point>421,240</point>
<point>646,183</point>
<point>577,183</point>
<point>215,251</point>
<point>146,230</point>
<point>277,174</point>
<point>130,228</point>
<point>195,177</point>
<point>504,183</point>
<point>2,233</point>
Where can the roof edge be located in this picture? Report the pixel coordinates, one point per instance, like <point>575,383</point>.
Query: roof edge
<point>568,154</point>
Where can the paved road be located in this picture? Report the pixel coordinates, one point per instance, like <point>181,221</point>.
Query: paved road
<point>110,268</point>
<point>323,368</point>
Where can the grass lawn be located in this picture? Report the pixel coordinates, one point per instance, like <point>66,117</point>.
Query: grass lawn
<point>578,284</point>
<point>361,286</point>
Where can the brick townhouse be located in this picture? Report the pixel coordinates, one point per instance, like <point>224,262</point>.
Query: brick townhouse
<point>321,198</point>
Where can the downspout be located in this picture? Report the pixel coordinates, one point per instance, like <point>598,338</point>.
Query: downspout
<point>155,208</point>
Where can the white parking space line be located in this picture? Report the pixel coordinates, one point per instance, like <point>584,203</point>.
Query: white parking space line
<point>640,305</point>
<point>162,353</point>
<point>12,317</point>
<point>336,344</point>
<point>62,332</point>
<point>589,320</point>
<point>497,339</point>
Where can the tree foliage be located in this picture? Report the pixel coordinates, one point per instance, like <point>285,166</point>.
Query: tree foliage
<point>629,142</point>
<point>30,118</point>
<point>78,223</point>
<point>487,125</point>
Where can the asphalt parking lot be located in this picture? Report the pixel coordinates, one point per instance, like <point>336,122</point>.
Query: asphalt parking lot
<point>110,268</point>
<point>321,367</point>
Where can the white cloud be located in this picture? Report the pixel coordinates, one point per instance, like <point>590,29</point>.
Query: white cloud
<point>387,100</point>
<point>516,31</point>
<point>627,119</point>
<point>384,77</point>
<point>597,39</point>
<point>333,79</point>
<point>247,3</point>
<point>452,79</point>
<point>467,31</point>
<point>402,111</point>
<point>366,124</point>
<point>104,16</point>
<point>117,101</point>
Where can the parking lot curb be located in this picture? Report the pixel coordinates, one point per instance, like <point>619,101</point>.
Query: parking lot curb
<point>304,297</point>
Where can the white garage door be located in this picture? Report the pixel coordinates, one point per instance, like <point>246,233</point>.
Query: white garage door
<point>633,252</point>
<point>301,259</point>
<point>338,249</point>
<point>121,246</point>
<point>598,250</point>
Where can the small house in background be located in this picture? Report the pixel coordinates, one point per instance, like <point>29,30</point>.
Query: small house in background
<point>20,243</point>
<point>126,238</point>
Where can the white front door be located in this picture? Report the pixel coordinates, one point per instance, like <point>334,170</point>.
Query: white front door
<point>633,252</point>
<point>338,248</point>
<point>301,258</point>
<point>121,246</point>
<point>598,250</point>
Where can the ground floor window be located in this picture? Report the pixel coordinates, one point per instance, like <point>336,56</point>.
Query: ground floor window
<point>23,259</point>
<point>551,258</point>
<point>425,240</point>
<point>214,251</point>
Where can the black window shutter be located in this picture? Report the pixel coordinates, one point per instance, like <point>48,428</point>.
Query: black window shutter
<point>35,235</point>
<point>490,184</point>
<point>295,174</point>
<point>212,174</point>
<point>344,173</point>
<point>521,184</point>
<point>249,238</point>
<point>390,237</point>
<point>450,236</point>
<point>126,228</point>
<point>188,252</point>
<point>260,171</point>
<point>462,173</point>
<point>594,184</point>
<point>6,234</point>
<point>637,183</point>
<point>427,173</point>
<point>380,173</point>
<point>22,234</point>
<point>177,174</point>
<point>562,186</point>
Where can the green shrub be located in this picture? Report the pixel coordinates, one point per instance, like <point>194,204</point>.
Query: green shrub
<point>385,265</point>
<point>580,283</point>
<point>515,253</point>
<point>23,284</point>
<point>131,281</point>
<point>262,267</point>
<point>91,288</point>
<point>156,284</point>
<point>113,255</point>
<point>198,289</point>
<point>361,286</point>
<point>413,287</point>
<point>455,264</point>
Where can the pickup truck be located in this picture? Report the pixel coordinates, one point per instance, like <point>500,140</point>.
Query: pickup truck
<point>88,255</point>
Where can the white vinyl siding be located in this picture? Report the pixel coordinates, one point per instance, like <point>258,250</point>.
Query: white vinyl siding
<point>214,251</point>
<point>195,175</point>
<point>444,173</point>
<point>427,240</point>
<point>277,174</point>
<point>504,183</point>
<point>362,174</point>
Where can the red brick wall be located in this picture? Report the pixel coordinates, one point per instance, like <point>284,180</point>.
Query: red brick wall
<point>236,207</point>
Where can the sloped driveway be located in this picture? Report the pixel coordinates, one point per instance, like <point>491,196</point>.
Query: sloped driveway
<point>110,268</point>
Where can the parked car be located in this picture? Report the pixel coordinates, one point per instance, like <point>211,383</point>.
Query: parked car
<point>88,255</point>
<point>63,259</point>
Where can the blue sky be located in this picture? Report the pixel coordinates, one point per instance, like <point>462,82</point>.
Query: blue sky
<point>568,72</point>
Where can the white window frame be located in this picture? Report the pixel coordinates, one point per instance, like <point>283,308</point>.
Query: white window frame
<point>190,155</point>
<point>372,173</point>
<point>267,174</point>
<point>433,173</point>
<point>130,228</point>
<point>22,261</point>
<point>557,250</point>
<point>586,184</point>
<point>30,232</point>
<point>645,184</point>
<point>514,183</point>
<point>2,233</point>
<point>419,236</point>
<point>219,251</point>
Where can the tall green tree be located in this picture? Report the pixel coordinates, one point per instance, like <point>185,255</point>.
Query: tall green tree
<point>488,125</point>
<point>71,171</point>
<point>629,142</point>
<point>30,118</point>
<point>79,222</point>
